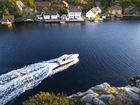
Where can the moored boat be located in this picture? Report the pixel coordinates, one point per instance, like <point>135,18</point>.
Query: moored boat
<point>29,20</point>
<point>6,22</point>
<point>62,21</point>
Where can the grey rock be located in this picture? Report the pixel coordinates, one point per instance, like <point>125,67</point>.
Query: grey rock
<point>97,101</point>
<point>88,104</point>
<point>134,89</point>
<point>89,91</point>
<point>88,97</point>
<point>101,86</point>
<point>132,95</point>
<point>106,97</point>
<point>80,93</point>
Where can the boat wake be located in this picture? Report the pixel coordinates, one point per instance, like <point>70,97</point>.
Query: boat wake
<point>14,83</point>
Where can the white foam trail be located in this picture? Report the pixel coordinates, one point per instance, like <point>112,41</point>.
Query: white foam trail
<point>16,82</point>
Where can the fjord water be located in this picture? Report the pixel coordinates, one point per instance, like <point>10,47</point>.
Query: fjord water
<point>109,52</point>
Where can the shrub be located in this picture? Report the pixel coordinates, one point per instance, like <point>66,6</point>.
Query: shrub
<point>48,99</point>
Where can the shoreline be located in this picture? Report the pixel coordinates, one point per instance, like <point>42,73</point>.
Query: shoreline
<point>127,17</point>
<point>104,94</point>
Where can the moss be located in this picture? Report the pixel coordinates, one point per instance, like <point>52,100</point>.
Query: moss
<point>48,99</point>
<point>112,101</point>
<point>122,89</point>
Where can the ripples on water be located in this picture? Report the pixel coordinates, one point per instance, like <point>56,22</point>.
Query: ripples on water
<point>109,51</point>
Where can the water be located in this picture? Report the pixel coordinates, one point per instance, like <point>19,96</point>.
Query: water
<point>109,52</point>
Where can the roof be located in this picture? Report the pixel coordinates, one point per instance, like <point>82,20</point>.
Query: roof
<point>8,17</point>
<point>115,8</point>
<point>56,5</point>
<point>42,4</point>
<point>74,9</point>
<point>128,9</point>
<point>65,2</point>
<point>51,12</point>
<point>95,10</point>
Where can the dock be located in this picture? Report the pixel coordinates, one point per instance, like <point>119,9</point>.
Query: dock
<point>67,21</point>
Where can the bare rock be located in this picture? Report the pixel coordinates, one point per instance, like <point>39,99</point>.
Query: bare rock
<point>97,101</point>
<point>106,97</point>
<point>89,97</point>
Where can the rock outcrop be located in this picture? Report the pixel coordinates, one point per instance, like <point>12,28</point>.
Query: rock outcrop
<point>104,94</point>
<point>135,81</point>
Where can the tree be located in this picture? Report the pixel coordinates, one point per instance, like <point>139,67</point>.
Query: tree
<point>45,9</point>
<point>31,3</point>
<point>62,11</point>
<point>6,12</point>
<point>19,14</point>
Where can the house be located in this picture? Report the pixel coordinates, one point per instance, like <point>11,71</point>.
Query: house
<point>51,14</point>
<point>9,18</point>
<point>92,13</point>
<point>128,10</point>
<point>19,5</point>
<point>74,12</point>
<point>115,10</point>
<point>42,5</point>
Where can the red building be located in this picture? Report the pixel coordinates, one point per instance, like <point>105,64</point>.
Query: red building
<point>126,12</point>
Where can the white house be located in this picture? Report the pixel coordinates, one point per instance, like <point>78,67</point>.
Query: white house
<point>74,13</point>
<point>51,14</point>
<point>92,13</point>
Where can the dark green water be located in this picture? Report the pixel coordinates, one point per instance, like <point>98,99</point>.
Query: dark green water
<point>109,52</point>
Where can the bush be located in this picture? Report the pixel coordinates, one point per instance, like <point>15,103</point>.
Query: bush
<point>48,99</point>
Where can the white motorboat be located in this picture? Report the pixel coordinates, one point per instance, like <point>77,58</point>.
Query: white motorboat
<point>29,20</point>
<point>96,21</point>
<point>65,59</point>
<point>15,82</point>
<point>62,21</point>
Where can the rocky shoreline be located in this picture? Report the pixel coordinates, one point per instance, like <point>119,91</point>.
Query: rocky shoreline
<point>104,94</point>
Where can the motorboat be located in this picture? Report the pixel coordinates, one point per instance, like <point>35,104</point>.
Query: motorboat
<point>62,21</point>
<point>6,22</point>
<point>65,59</point>
<point>96,21</point>
<point>29,20</point>
<point>16,82</point>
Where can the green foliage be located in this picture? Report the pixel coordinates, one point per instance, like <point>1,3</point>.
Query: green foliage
<point>31,3</point>
<point>46,9</point>
<point>62,11</point>
<point>6,12</point>
<point>19,14</point>
<point>48,99</point>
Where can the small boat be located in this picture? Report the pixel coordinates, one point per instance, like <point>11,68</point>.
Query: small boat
<point>96,21</point>
<point>6,22</point>
<point>65,59</point>
<point>29,20</point>
<point>62,21</point>
<point>100,19</point>
<point>103,17</point>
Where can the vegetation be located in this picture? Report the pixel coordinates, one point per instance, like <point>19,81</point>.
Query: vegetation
<point>62,11</point>
<point>48,99</point>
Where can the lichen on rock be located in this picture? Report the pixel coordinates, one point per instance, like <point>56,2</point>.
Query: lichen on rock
<point>104,94</point>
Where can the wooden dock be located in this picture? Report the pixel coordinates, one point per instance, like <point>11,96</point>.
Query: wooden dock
<point>52,21</point>
<point>67,21</point>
